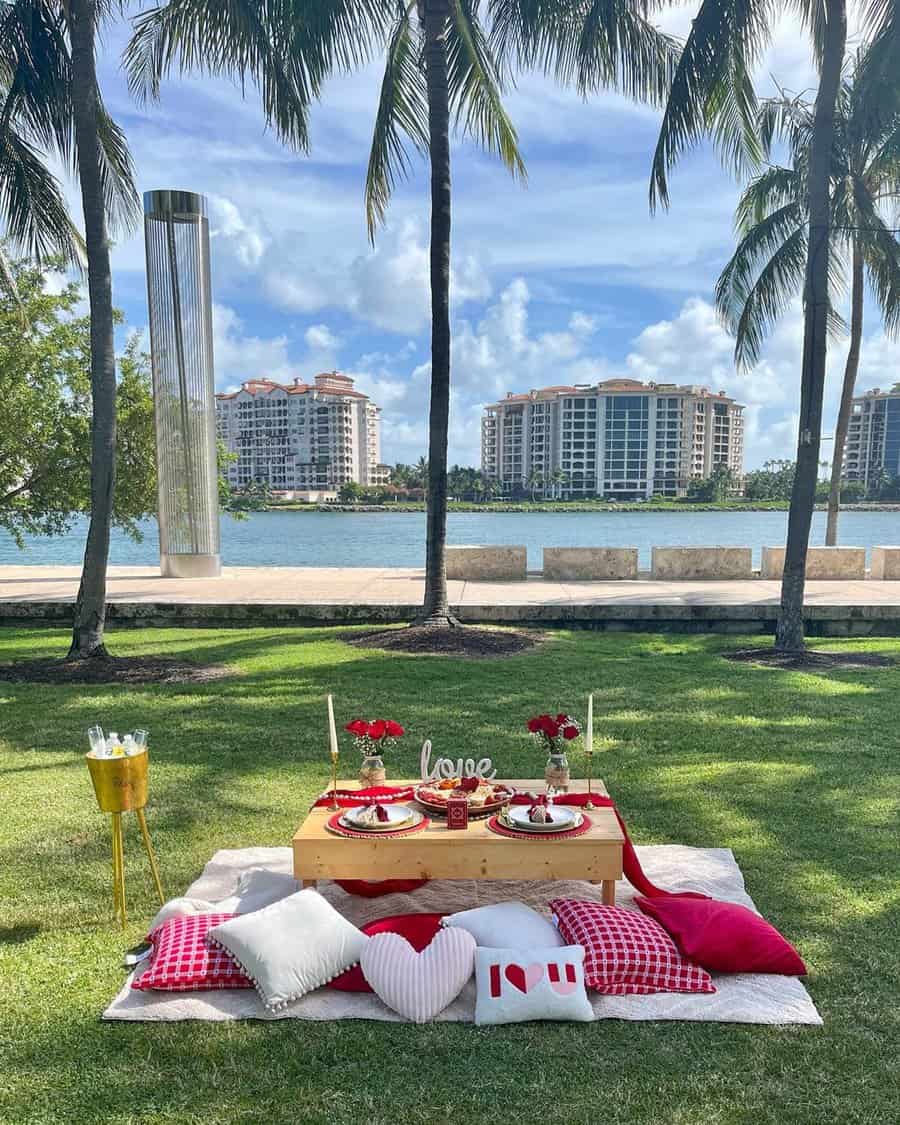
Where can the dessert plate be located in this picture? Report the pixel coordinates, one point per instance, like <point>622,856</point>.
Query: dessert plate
<point>563,819</point>
<point>399,816</point>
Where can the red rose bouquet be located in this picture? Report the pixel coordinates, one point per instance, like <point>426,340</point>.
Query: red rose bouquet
<point>554,731</point>
<point>373,736</point>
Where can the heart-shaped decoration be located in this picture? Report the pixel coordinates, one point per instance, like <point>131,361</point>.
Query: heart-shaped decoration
<point>524,979</point>
<point>419,985</point>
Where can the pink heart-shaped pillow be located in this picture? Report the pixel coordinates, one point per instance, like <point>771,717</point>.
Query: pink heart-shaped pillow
<point>419,985</point>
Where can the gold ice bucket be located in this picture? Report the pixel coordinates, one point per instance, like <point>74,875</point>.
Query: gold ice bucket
<point>120,784</point>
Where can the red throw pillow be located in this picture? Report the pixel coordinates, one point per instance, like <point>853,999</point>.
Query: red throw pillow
<point>418,929</point>
<point>375,889</point>
<point>183,960</point>
<point>625,952</point>
<point>723,936</point>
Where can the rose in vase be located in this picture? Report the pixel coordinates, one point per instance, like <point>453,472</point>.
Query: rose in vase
<point>553,732</point>
<point>372,737</point>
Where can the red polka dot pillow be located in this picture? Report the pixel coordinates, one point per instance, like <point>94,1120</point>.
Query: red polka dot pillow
<point>184,961</point>
<point>626,952</point>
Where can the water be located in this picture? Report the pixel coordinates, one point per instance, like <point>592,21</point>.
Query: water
<point>398,538</point>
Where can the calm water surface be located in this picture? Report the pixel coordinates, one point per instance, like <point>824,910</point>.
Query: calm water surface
<point>398,539</point>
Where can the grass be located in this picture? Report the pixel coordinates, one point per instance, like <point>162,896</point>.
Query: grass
<point>798,773</point>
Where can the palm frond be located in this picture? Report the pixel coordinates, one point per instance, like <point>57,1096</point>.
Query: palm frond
<point>123,205</point>
<point>768,192</point>
<point>35,75</point>
<point>883,168</point>
<point>285,48</point>
<point>593,44</point>
<point>32,207</point>
<point>778,283</point>
<point>876,106</point>
<point>881,253</point>
<point>402,113</point>
<point>786,119</point>
<point>712,92</point>
<point>759,245</point>
<point>476,83</point>
<point>881,17</point>
<point>813,16</point>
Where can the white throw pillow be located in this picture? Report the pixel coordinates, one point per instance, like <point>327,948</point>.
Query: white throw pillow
<point>506,925</point>
<point>514,985</point>
<point>291,947</point>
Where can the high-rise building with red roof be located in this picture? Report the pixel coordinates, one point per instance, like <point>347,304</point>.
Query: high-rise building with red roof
<point>301,437</point>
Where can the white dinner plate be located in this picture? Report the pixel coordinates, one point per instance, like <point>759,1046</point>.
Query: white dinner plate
<point>399,816</point>
<point>563,819</point>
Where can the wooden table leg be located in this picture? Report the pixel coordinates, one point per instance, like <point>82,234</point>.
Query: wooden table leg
<point>304,883</point>
<point>608,892</point>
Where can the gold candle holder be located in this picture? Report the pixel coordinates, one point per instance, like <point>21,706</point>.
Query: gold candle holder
<point>334,806</point>
<point>589,754</point>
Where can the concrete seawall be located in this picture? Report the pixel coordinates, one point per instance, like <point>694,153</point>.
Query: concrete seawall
<point>247,596</point>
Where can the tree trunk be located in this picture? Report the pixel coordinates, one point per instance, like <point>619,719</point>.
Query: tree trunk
<point>435,609</point>
<point>843,418</point>
<point>90,607</point>
<point>789,632</point>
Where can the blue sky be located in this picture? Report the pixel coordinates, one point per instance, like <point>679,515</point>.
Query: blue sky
<point>566,279</point>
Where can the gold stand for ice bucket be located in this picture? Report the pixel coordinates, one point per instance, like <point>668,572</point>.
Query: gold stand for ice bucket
<point>120,785</point>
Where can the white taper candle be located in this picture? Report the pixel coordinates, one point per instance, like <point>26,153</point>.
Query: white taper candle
<point>589,726</point>
<point>332,730</point>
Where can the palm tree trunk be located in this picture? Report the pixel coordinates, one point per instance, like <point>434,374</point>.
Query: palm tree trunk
<point>435,609</point>
<point>789,631</point>
<point>843,418</point>
<point>90,607</point>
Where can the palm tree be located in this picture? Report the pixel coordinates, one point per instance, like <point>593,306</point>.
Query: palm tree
<point>535,481</point>
<point>51,56</point>
<point>439,70</point>
<point>712,94</point>
<point>421,474</point>
<point>766,270</point>
<point>559,479</point>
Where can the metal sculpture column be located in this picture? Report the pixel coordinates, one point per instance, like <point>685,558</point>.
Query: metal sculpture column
<point>176,236</point>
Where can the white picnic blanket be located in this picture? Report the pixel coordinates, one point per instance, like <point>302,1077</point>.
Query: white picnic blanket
<point>740,998</point>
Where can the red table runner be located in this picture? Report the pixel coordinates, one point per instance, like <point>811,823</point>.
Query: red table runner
<point>390,794</point>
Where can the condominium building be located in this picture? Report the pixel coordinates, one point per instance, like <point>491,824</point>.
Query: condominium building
<point>618,439</point>
<point>301,437</point>
<point>872,449</point>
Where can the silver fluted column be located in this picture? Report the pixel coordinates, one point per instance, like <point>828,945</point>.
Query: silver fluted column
<point>176,238</point>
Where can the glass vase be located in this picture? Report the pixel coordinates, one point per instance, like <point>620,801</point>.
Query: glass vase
<point>556,772</point>
<point>372,771</point>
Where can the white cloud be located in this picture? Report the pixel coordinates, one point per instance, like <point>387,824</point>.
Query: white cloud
<point>239,357</point>
<point>386,286</point>
<point>248,243</point>
<point>319,337</point>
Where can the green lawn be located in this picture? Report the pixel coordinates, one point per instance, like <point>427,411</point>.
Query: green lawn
<point>799,774</point>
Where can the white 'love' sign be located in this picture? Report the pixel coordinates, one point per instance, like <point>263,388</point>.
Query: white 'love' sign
<point>446,767</point>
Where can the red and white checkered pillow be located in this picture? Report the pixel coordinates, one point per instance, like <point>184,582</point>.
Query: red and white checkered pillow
<point>184,961</point>
<point>626,952</point>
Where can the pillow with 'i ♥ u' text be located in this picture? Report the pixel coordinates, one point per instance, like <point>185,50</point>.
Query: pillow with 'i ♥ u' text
<point>515,985</point>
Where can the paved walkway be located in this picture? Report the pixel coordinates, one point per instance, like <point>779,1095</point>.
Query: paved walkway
<point>241,585</point>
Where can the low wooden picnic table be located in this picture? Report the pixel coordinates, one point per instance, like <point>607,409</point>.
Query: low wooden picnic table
<point>472,853</point>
